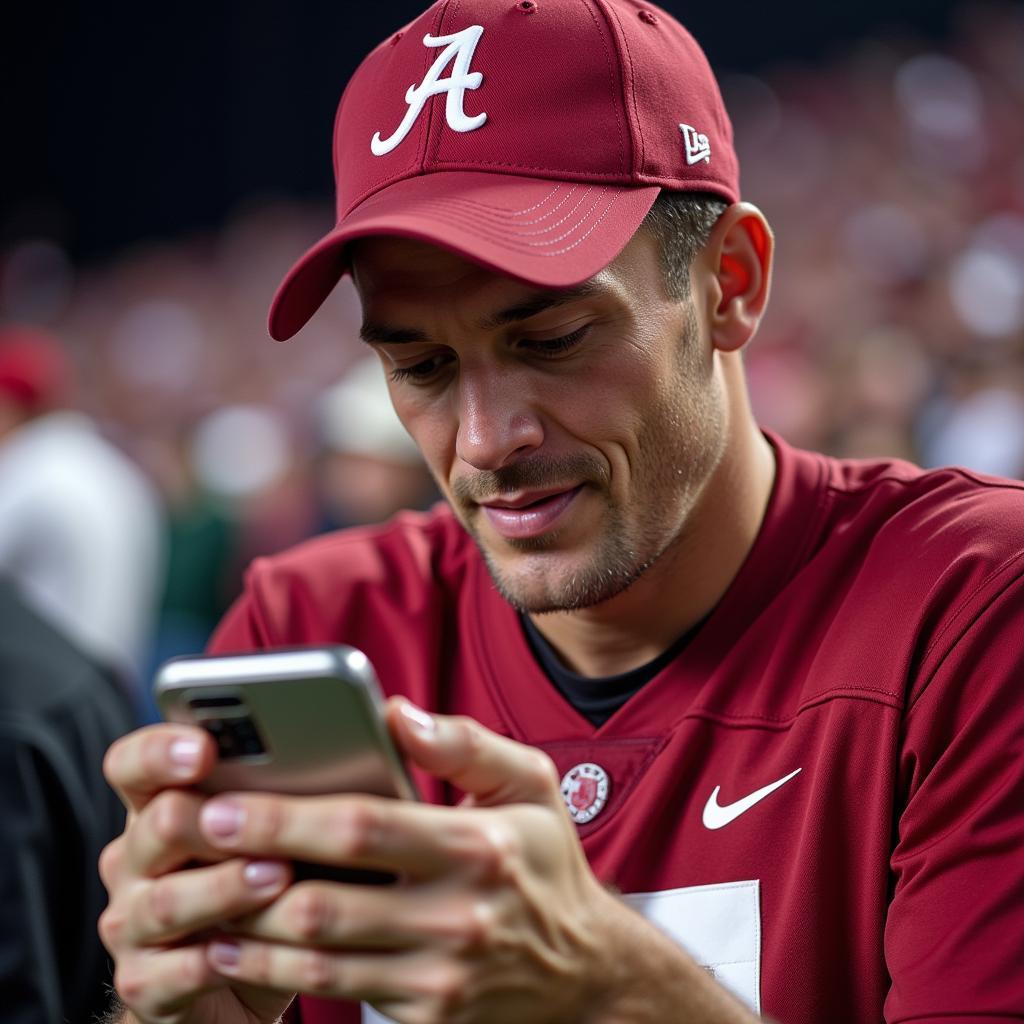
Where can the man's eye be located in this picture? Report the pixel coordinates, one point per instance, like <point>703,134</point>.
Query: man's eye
<point>421,372</point>
<point>553,346</point>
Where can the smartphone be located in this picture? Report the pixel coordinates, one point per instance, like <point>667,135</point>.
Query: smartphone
<point>302,721</point>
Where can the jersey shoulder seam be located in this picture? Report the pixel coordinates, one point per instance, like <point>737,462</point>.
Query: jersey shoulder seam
<point>908,481</point>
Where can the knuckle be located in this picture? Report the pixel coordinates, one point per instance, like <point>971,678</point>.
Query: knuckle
<point>112,761</point>
<point>153,753</point>
<point>497,851</point>
<point>168,815</point>
<point>542,769</point>
<point>111,859</point>
<point>265,821</point>
<point>162,903</point>
<point>310,912</point>
<point>193,972</point>
<point>448,988</point>
<point>471,735</point>
<point>472,929</point>
<point>479,926</point>
<point>257,960</point>
<point>317,970</point>
<point>130,983</point>
<point>354,827</point>
<point>110,926</point>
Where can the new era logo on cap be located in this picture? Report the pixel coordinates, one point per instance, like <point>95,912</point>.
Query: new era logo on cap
<point>697,146</point>
<point>471,129</point>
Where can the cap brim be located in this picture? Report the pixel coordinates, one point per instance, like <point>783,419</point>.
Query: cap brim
<point>548,233</point>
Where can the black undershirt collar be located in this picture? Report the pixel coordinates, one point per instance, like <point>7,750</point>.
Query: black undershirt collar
<point>598,699</point>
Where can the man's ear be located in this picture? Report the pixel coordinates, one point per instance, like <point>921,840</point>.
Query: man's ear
<point>736,265</point>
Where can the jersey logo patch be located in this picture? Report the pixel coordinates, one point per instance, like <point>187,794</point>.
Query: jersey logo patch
<point>585,791</point>
<point>458,47</point>
<point>717,816</point>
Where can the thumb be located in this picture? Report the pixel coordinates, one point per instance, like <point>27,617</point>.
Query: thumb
<point>491,769</point>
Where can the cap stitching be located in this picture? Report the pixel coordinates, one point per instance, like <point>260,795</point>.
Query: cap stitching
<point>505,213</point>
<point>610,65</point>
<point>637,123</point>
<point>472,226</point>
<point>507,232</point>
<point>555,224</point>
<point>431,138</point>
<point>506,223</point>
<point>535,206</point>
<point>504,217</point>
<point>550,212</point>
<point>562,237</point>
<point>580,241</point>
<point>491,217</point>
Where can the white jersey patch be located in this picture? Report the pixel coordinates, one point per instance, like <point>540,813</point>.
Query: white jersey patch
<point>718,925</point>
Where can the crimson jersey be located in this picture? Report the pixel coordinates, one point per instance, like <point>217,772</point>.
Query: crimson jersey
<point>821,797</point>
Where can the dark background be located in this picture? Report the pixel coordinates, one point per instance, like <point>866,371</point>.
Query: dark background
<point>126,121</point>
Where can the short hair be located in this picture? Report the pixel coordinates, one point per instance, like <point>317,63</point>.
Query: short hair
<point>681,224</point>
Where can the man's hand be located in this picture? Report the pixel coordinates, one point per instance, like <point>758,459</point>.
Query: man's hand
<point>154,924</point>
<point>497,917</point>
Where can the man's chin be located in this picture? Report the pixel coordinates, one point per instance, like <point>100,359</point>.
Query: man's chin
<point>558,583</point>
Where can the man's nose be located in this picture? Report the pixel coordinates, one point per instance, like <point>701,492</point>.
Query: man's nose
<point>497,423</point>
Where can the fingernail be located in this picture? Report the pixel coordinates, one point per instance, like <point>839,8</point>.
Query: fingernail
<point>222,819</point>
<point>418,718</point>
<point>264,874</point>
<point>226,955</point>
<point>184,755</point>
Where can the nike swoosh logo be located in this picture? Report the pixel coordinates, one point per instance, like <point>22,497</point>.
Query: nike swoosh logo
<point>716,816</point>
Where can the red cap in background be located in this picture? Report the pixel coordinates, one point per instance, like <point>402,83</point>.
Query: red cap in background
<point>531,136</point>
<point>34,369</point>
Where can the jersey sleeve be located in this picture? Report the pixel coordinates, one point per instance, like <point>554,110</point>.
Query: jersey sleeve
<point>954,936</point>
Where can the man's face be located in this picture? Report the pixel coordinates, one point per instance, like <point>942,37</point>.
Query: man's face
<point>572,431</point>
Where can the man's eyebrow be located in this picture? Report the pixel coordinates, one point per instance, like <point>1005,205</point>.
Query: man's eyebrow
<point>382,334</point>
<point>537,303</point>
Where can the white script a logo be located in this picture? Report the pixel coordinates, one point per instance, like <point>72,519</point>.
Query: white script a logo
<point>460,46</point>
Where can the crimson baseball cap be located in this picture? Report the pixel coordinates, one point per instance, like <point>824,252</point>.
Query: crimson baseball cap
<point>531,136</point>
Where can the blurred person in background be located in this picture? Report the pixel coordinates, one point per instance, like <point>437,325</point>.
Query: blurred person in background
<point>59,711</point>
<point>369,467</point>
<point>80,526</point>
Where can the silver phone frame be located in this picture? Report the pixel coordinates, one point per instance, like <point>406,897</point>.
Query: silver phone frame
<point>184,679</point>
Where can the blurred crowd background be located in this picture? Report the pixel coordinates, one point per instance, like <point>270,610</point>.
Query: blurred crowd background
<point>893,172</point>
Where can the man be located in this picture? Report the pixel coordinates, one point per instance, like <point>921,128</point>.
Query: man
<point>773,691</point>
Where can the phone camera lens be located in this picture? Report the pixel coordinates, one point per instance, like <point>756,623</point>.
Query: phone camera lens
<point>235,737</point>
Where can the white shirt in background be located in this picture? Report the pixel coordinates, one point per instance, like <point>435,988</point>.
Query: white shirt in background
<point>80,533</point>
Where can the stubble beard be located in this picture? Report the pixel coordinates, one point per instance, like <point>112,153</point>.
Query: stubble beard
<point>679,447</point>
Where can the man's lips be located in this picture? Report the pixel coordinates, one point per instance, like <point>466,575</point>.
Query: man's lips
<point>526,498</point>
<point>528,514</point>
